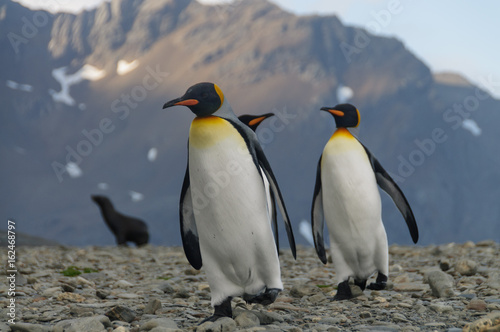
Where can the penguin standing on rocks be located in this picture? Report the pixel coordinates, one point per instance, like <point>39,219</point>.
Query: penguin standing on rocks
<point>125,228</point>
<point>347,197</point>
<point>224,213</point>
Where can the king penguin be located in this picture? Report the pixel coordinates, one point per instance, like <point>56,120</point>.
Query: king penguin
<point>253,121</point>
<point>347,197</point>
<point>224,214</point>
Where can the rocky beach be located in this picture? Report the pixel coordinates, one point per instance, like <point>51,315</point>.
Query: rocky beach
<point>451,287</point>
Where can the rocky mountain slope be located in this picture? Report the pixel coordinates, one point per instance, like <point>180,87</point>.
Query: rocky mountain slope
<point>82,97</point>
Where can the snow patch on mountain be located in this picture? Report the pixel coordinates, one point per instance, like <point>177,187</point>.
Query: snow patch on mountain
<point>135,196</point>
<point>103,186</point>
<point>344,94</point>
<point>305,230</point>
<point>18,86</point>
<point>74,170</point>
<point>87,72</point>
<point>123,67</point>
<point>152,154</point>
<point>472,126</point>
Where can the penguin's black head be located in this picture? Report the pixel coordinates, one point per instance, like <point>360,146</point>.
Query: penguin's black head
<point>346,115</point>
<point>253,121</point>
<point>203,99</point>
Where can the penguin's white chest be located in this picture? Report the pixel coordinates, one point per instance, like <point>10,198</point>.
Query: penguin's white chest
<point>230,208</point>
<point>224,179</point>
<point>351,198</point>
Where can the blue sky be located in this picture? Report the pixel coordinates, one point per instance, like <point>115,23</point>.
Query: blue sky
<point>448,35</point>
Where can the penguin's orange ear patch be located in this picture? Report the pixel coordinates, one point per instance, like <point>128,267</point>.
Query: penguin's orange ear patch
<point>219,92</point>
<point>188,102</point>
<point>359,118</point>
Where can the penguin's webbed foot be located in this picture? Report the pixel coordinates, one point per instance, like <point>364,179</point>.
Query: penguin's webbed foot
<point>222,310</point>
<point>380,283</point>
<point>377,285</point>
<point>343,291</point>
<point>265,298</point>
<point>360,283</point>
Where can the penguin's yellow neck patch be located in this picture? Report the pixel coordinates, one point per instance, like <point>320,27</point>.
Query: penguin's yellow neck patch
<point>219,92</point>
<point>208,130</point>
<point>342,142</point>
<point>342,133</point>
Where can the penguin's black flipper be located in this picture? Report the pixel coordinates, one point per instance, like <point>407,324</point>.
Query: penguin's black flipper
<point>274,218</point>
<point>272,211</point>
<point>388,185</point>
<point>189,232</point>
<point>273,185</point>
<point>317,217</point>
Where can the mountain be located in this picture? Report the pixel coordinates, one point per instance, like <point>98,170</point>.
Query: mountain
<point>82,114</point>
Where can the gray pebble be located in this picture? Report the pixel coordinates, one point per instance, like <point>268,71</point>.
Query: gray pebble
<point>247,319</point>
<point>301,290</point>
<point>225,324</point>
<point>317,298</point>
<point>76,310</point>
<point>26,327</point>
<point>121,313</point>
<point>88,324</point>
<point>466,267</point>
<point>166,287</point>
<point>152,306</point>
<point>158,322</point>
<point>52,292</point>
<point>441,284</point>
<point>102,294</point>
<point>365,314</point>
<point>441,308</point>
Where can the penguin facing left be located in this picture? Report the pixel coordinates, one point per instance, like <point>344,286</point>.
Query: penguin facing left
<point>125,228</point>
<point>224,213</point>
<point>347,197</point>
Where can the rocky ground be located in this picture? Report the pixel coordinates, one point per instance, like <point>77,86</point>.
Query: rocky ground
<point>436,288</point>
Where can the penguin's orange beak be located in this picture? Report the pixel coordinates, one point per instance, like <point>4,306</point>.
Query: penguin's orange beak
<point>188,102</point>
<point>332,111</point>
<point>181,102</point>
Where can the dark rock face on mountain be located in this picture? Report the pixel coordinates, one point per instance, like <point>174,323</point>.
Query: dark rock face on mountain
<point>82,95</point>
